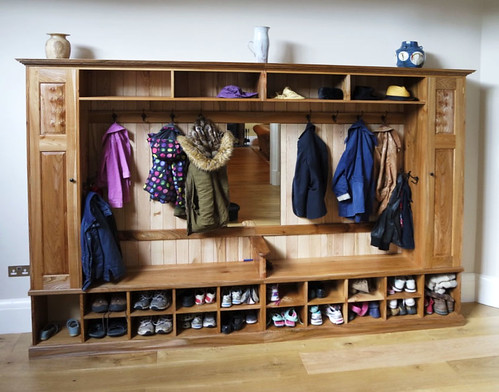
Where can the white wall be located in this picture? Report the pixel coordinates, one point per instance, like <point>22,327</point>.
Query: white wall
<point>488,211</point>
<point>363,32</point>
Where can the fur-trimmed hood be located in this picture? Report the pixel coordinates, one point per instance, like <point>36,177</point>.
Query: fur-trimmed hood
<point>200,160</point>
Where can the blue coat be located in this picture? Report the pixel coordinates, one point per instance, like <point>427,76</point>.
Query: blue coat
<point>100,248</point>
<point>311,173</point>
<point>353,182</point>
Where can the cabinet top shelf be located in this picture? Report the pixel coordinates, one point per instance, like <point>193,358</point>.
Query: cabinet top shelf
<point>240,66</point>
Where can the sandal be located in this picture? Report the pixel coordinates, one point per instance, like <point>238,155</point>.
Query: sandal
<point>116,327</point>
<point>97,329</point>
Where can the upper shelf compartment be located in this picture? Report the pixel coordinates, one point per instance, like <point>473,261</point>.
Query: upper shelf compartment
<point>374,88</point>
<point>206,85</point>
<point>305,84</point>
<point>125,85</point>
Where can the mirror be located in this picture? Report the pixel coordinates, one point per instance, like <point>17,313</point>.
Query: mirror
<point>253,176</point>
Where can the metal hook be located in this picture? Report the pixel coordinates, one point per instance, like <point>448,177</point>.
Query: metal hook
<point>309,117</point>
<point>114,116</point>
<point>335,116</point>
<point>359,116</point>
<point>172,117</point>
<point>414,179</point>
<point>383,118</point>
<point>143,115</point>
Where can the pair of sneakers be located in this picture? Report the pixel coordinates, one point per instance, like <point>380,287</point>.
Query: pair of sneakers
<point>162,325</point>
<point>158,300</point>
<point>199,320</point>
<point>205,296</point>
<point>404,283</point>
<point>333,312</point>
<point>287,318</point>
<point>238,296</point>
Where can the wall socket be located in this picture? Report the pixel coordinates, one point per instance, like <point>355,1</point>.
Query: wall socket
<point>18,270</point>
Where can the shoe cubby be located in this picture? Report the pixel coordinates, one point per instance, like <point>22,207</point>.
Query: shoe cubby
<point>406,286</point>
<point>288,294</point>
<point>99,84</point>
<point>194,324</point>
<point>326,315</point>
<point>286,318</point>
<point>380,85</point>
<point>307,85</point>
<point>366,289</point>
<point>50,324</point>
<point>235,321</point>
<point>206,84</point>
<point>240,297</point>
<point>151,303</point>
<point>114,304</point>
<point>326,291</point>
<point>185,299</point>
<point>366,311</point>
<point>403,307</point>
<point>440,294</point>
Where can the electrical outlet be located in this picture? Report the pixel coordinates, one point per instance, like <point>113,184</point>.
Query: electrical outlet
<point>18,270</point>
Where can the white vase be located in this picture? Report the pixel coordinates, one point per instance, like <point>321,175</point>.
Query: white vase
<point>260,44</point>
<point>57,46</point>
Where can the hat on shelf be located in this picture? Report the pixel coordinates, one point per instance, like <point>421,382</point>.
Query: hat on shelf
<point>232,91</point>
<point>399,93</point>
<point>287,93</point>
<point>330,93</point>
<point>365,93</point>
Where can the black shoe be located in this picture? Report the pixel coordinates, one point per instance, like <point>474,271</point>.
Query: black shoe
<point>100,304</point>
<point>116,327</point>
<point>188,299</point>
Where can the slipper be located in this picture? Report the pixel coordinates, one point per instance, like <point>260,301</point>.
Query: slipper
<point>73,327</point>
<point>48,331</point>
<point>361,311</point>
<point>116,327</point>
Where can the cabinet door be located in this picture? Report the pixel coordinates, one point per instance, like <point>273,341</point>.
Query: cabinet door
<point>445,172</point>
<point>52,178</point>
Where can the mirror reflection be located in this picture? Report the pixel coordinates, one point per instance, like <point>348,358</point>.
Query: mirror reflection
<point>254,175</point>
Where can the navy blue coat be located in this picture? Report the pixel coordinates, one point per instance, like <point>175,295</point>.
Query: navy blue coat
<point>100,248</point>
<point>311,174</point>
<point>353,182</point>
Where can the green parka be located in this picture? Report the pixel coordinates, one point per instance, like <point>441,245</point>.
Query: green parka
<point>207,187</point>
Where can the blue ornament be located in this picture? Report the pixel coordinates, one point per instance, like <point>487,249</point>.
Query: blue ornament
<point>410,55</point>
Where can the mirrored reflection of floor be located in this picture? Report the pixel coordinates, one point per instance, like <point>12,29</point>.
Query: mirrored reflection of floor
<point>250,188</point>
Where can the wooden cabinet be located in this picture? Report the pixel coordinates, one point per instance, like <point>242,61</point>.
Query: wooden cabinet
<point>71,103</point>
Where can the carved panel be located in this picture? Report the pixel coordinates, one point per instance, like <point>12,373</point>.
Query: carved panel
<point>444,118</point>
<point>52,109</point>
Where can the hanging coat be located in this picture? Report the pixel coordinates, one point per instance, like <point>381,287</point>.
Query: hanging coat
<point>395,224</point>
<point>166,179</point>
<point>311,171</point>
<point>353,180</point>
<point>207,184</point>
<point>115,170</point>
<point>386,164</point>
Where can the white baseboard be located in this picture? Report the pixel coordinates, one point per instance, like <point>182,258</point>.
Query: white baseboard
<point>15,315</point>
<point>468,287</point>
<point>488,290</point>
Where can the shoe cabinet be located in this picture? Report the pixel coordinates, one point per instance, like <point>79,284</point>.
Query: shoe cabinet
<point>71,103</point>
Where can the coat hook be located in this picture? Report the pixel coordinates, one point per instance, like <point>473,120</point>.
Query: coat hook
<point>414,179</point>
<point>144,116</point>
<point>383,118</point>
<point>114,116</point>
<point>335,116</point>
<point>172,117</point>
<point>309,116</point>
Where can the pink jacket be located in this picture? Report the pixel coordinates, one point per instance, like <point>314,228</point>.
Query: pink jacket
<point>115,169</point>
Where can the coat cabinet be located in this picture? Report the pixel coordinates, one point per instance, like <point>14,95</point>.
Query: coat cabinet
<point>70,105</point>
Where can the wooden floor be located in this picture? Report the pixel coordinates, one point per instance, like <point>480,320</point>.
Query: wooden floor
<point>452,359</point>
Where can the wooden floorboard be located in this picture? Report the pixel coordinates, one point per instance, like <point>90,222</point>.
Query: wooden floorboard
<point>453,359</point>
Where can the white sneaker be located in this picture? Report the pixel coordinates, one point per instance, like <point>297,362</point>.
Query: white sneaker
<point>315,316</point>
<point>334,314</point>
<point>246,296</point>
<point>226,299</point>
<point>410,285</point>
<point>197,321</point>
<point>146,327</point>
<point>209,320</point>
<point>144,301</point>
<point>236,296</point>
<point>164,325</point>
<point>254,296</point>
<point>274,294</point>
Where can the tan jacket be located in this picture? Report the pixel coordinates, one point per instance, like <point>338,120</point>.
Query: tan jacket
<point>387,161</point>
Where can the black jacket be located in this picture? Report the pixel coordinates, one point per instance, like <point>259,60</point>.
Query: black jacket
<point>311,175</point>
